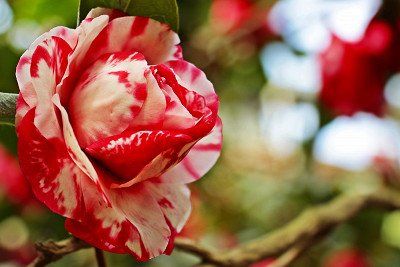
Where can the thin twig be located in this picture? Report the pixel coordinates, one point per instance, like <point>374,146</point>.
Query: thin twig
<point>101,261</point>
<point>51,251</point>
<point>289,241</point>
<point>290,255</point>
<point>198,250</point>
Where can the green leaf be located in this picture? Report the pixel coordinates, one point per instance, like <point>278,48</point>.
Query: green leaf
<point>165,11</point>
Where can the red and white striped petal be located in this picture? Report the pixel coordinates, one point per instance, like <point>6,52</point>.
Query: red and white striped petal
<point>150,223</point>
<point>138,220</point>
<point>174,200</point>
<point>74,151</point>
<point>23,75</point>
<point>24,65</point>
<point>153,110</point>
<point>155,40</point>
<point>48,64</point>
<point>21,109</point>
<point>194,79</point>
<point>111,13</point>
<point>199,160</point>
<point>204,111</point>
<point>176,117</point>
<point>109,95</point>
<point>135,156</point>
<point>67,34</point>
<point>86,32</point>
<point>107,235</point>
<point>52,174</point>
<point>38,71</point>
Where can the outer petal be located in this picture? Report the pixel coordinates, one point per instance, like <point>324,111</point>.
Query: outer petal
<point>156,41</point>
<point>24,64</point>
<point>111,13</point>
<point>53,176</point>
<point>199,160</point>
<point>21,109</point>
<point>174,200</point>
<point>86,33</point>
<point>150,222</point>
<point>73,149</point>
<point>48,64</point>
<point>138,220</point>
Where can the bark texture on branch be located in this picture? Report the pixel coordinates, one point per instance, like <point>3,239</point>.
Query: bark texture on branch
<point>7,107</point>
<point>50,251</point>
<point>288,242</point>
<point>310,226</point>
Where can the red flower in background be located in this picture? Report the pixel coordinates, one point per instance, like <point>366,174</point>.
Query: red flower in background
<point>354,74</point>
<point>264,263</point>
<point>346,258</point>
<point>229,15</point>
<point>112,124</point>
<point>12,182</point>
<point>16,190</point>
<point>22,256</point>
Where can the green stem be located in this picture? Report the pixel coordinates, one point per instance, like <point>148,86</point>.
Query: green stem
<point>7,108</point>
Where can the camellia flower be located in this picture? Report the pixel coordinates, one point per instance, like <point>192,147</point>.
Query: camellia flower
<point>354,73</point>
<point>112,125</point>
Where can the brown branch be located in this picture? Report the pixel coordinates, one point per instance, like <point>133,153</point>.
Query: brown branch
<point>191,247</point>
<point>7,107</point>
<point>100,259</point>
<point>290,256</point>
<point>308,227</point>
<point>51,251</point>
<point>288,242</point>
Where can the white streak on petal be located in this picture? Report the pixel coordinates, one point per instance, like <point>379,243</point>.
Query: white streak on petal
<point>77,155</point>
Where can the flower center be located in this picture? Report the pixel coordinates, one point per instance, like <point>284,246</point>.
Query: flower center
<point>108,96</point>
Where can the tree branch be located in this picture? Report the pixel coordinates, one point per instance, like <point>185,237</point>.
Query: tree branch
<point>310,225</point>
<point>51,251</point>
<point>7,107</point>
<point>290,256</point>
<point>212,258</point>
<point>288,242</point>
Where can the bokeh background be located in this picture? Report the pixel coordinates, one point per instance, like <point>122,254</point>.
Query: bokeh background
<point>310,100</point>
